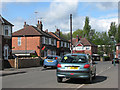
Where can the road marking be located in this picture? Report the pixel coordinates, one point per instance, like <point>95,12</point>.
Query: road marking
<point>96,74</point>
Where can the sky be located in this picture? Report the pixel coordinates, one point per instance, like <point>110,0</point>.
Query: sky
<point>56,14</point>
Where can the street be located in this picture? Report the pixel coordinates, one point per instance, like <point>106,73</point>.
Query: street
<point>107,77</point>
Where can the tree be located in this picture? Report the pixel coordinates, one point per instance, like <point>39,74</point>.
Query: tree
<point>118,34</point>
<point>78,32</point>
<point>86,27</point>
<point>113,29</point>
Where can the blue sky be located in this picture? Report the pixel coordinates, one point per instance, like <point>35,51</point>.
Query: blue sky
<point>53,14</point>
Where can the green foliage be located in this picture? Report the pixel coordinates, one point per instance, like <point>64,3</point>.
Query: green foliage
<point>113,29</point>
<point>79,33</point>
<point>86,27</point>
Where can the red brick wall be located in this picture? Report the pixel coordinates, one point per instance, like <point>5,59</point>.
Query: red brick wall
<point>32,43</point>
<point>58,44</point>
<point>117,52</point>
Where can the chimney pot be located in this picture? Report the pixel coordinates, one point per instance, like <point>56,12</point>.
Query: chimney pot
<point>38,21</point>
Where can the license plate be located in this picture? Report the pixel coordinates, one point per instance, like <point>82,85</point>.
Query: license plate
<point>72,67</point>
<point>50,61</point>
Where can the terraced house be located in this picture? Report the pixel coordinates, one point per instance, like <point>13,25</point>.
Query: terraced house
<point>63,45</point>
<point>118,50</point>
<point>5,39</point>
<point>32,39</point>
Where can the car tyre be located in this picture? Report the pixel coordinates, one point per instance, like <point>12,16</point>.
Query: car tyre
<point>45,67</point>
<point>94,75</point>
<point>89,80</point>
<point>59,79</point>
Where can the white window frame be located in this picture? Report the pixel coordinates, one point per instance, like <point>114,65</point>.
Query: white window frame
<point>49,41</point>
<point>61,43</point>
<point>43,40</point>
<point>19,41</point>
<point>65,44</point>
<point>7,27</point>
<point>55,42</point>
<point>68,45</point>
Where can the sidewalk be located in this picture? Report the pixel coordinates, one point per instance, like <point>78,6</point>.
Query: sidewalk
<point>11,71</point>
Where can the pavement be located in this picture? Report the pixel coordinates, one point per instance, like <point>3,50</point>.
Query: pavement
<point>11,71</point>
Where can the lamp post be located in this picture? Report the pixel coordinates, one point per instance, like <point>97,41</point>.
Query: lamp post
<point>112,37</point>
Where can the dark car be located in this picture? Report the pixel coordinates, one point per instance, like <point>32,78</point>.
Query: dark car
<point>116,60</point>
<point>76,66</point>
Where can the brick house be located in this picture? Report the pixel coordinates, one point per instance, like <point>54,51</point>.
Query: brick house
<point>82,45</point>
<point>63,45</point>
<point>33,38</point>
<point>5,39</point>
<point>118,50</point>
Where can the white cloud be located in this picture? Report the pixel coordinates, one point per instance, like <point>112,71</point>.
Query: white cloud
<point>107,5</point>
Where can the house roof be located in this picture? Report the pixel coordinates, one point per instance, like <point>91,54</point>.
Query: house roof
<point>84,41</point>
<point>32,31</point>
<point>118,44</point>
<point>59,38</point>
<point>4,21</point>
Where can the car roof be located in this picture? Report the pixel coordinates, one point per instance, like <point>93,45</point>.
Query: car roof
<point>53,56</point>
<point>76,54</point>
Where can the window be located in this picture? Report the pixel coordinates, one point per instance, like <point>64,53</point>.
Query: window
<point>119,55</point>
<point>87,48</point>
<point>19,41</point>
<point>61,44</point>
<point>46,40</point>
<point>65,44</point>
<point>43,40</point>
<point>49,40</point>
<point>52,41</point>
<point>55,42</point>
<point>7,30</point>
<point>68,45</point>
<point>118,47</point>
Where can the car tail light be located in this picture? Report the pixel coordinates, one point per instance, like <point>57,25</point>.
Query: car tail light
<point>87,66</point>
<point>56,58</point>
<point>59,65</point>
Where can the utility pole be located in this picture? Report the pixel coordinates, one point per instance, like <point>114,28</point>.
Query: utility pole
<point>71,30</point>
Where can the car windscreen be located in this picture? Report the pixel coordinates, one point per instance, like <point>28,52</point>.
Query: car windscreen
<point>51,57</point>
<point>74,59</point>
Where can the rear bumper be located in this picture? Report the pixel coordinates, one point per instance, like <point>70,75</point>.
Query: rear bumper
<point>78,74</point>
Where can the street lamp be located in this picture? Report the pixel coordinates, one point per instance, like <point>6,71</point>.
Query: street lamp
<point>112,37</point>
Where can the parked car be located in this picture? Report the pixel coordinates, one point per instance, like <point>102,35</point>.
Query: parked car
<point>116,60</point>
<point>51,61</point>
<point>76,66</point>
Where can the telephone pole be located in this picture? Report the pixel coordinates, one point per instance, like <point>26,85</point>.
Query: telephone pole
<point>71,30</point>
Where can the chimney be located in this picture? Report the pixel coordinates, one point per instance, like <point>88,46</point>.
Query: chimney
<point>39,25</point>
<point>25,24</point>
<point>58,32</point>
<point>46,30</point>
<point>77,38</point>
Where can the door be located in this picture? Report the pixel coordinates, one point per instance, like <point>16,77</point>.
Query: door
<point>6,52</point>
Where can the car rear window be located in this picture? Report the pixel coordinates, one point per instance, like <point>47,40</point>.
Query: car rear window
<point>51,57</point>
<point>74,59</point>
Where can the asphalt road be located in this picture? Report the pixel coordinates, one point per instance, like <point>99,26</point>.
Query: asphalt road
<point>107,77</point>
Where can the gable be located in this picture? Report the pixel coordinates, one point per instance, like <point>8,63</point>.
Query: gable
<point>79,44</point>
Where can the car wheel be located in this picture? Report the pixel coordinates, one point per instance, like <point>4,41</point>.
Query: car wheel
<point>45,67</point>
<point>89,80</point>
<point>94,75</point>
<point>59,79</point>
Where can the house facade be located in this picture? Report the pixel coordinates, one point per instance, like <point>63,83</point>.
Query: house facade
<point>5,40</point>
<point>33,38</point>
<point>63,45</point>
<point>82,45</point>
<point>118,50</point>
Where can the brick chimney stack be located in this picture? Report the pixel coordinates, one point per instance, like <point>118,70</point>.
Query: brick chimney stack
<point>58,32</point>
<point>25,24</point>
<point>39,25</point>
<point>77,38</point>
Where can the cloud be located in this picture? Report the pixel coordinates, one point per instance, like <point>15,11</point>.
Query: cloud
<point>107,5</point>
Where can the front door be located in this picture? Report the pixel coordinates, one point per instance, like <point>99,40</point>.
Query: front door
<point>6,52</point>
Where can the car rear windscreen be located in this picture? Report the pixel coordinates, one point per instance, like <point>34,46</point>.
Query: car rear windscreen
<point>74,59</point>
<point>51,57</point>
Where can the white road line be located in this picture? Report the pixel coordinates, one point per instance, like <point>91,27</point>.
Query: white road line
<point>96,74</point>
